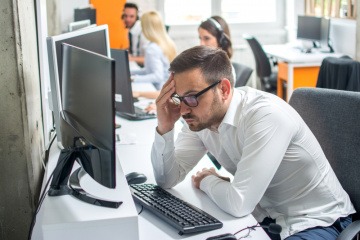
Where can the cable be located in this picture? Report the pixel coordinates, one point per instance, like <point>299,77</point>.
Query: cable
<point>142,208</point>
<point>43,194</point>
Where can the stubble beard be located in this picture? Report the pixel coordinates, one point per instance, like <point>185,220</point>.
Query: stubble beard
<point>215,117</point>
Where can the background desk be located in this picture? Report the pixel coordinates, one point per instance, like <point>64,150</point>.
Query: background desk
<point>296,68</point>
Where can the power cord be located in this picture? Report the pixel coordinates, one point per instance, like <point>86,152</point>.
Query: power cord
<point>142,208</point>
<point>44,193</point>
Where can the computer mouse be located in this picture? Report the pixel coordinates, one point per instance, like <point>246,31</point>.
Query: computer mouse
<point>135,178</point>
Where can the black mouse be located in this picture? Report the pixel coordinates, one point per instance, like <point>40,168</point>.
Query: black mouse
<point>135,178</point>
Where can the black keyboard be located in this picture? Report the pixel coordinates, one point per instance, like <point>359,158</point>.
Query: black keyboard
<point>183,216</point>
<point>139,114</point>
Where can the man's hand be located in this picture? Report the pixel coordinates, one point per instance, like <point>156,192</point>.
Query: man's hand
<point>167,112</point>
<point>200,175</point>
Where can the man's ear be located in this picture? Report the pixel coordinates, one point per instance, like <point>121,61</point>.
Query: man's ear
<point>225,87</point>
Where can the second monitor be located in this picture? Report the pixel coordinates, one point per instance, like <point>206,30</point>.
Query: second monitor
<point>314,29</point>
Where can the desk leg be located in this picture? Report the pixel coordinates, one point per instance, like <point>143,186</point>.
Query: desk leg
<point>282,78</point>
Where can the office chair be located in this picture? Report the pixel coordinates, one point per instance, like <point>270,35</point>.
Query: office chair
<point>339,73</point>
<point>268,77</point>
<point>333,116</point>
<point>243,74</point>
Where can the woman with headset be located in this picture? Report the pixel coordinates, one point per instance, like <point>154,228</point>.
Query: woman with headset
<point>214,32</point>
<point>159,52</point>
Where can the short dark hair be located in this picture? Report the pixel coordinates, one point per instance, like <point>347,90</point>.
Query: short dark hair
<point>131,5</point>
<point>213,63</point>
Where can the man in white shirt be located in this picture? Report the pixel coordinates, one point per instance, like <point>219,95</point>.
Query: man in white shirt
<point>137,40</point>
<point>280,171</point>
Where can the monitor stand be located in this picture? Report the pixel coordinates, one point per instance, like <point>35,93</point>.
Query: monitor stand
<point>60,181</point>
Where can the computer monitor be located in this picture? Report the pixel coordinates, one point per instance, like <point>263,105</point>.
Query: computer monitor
<point>123,90</point>
<point>315,29</point>
<point>85,13</point>
<point>87,122</point>
<point>78,25</point>
<point>95,39</point>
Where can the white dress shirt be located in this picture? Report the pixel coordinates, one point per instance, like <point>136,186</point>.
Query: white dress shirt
<point>156,67</point>
<point>139,41</point>
<point>279,168</point>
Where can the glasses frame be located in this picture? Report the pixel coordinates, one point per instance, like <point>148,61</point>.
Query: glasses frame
<point>177,99</point>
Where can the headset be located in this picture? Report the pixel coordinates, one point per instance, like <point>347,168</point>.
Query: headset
<point>131,5</point>
<point>222,38</point>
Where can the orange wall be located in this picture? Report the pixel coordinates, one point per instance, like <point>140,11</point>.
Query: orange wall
<point>109,12</point>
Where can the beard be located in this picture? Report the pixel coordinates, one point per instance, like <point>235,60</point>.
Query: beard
<point>214,118</point>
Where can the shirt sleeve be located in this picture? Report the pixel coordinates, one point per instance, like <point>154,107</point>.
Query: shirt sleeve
<point>153,67</point>
<point>268,132</point>
<point>172,162</point>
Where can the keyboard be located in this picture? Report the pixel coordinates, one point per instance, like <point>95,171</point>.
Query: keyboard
<point>139,114</point>
<point>181,215</point>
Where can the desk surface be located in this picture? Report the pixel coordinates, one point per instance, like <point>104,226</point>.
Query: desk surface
<point>292,54</point>
<point>59,216</point>
<point>134,160</point>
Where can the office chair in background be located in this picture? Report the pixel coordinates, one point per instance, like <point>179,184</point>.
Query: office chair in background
<point>243,74</point>
<point>339,73</point>
<point>333,117</point>
<point>268,77</point>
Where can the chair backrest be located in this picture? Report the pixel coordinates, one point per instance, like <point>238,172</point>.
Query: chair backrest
<point>243,74</point>
<point>262,62</point>
<point>334,118</point>
<point>339,73</point>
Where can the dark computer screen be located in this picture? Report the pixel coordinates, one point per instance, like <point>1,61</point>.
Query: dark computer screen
<point>123,89</point>
<point>89,111</point>
<point>85,13</point>
<point>95,39</point>
<point>314,29</point>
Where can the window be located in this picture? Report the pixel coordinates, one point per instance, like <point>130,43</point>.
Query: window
<point>187,12</point>
<point>245,11</point>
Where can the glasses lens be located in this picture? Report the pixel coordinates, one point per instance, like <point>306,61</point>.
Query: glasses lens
<point>191,101</point>
<point>175,98</point>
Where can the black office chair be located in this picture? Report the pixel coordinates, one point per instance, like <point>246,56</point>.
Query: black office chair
<point>339,73</point>
<point>333,116</point>
<point>264,69</point>
<point>243,74</point>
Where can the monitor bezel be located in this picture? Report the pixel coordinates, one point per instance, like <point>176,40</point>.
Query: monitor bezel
<point>54,68</point>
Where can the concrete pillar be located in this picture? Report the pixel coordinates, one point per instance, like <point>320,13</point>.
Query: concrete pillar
<point>21,131</point>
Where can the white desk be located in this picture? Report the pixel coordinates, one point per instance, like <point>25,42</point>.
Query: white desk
<point>137,158</point>
<point>65,217</point>
<point>296,68</point>
<point>68,218</point>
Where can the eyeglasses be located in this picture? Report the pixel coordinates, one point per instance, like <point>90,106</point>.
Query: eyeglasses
<point>191,100</point>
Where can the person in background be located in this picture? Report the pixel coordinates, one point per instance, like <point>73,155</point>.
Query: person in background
<point>281,174</point>
<point>159,52</point>
<point>215,32</point>
<point>137,41</point>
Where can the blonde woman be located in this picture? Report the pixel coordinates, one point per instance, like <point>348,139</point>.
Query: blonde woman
<point>159,52</point>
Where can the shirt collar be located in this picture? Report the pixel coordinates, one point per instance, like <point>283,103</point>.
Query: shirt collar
<point>232,114</point>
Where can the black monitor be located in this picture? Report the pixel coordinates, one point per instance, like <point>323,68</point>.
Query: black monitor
<point>87,123</point>
<point>315,29</point>
<point>95,39</point>
<point>85,13</point>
